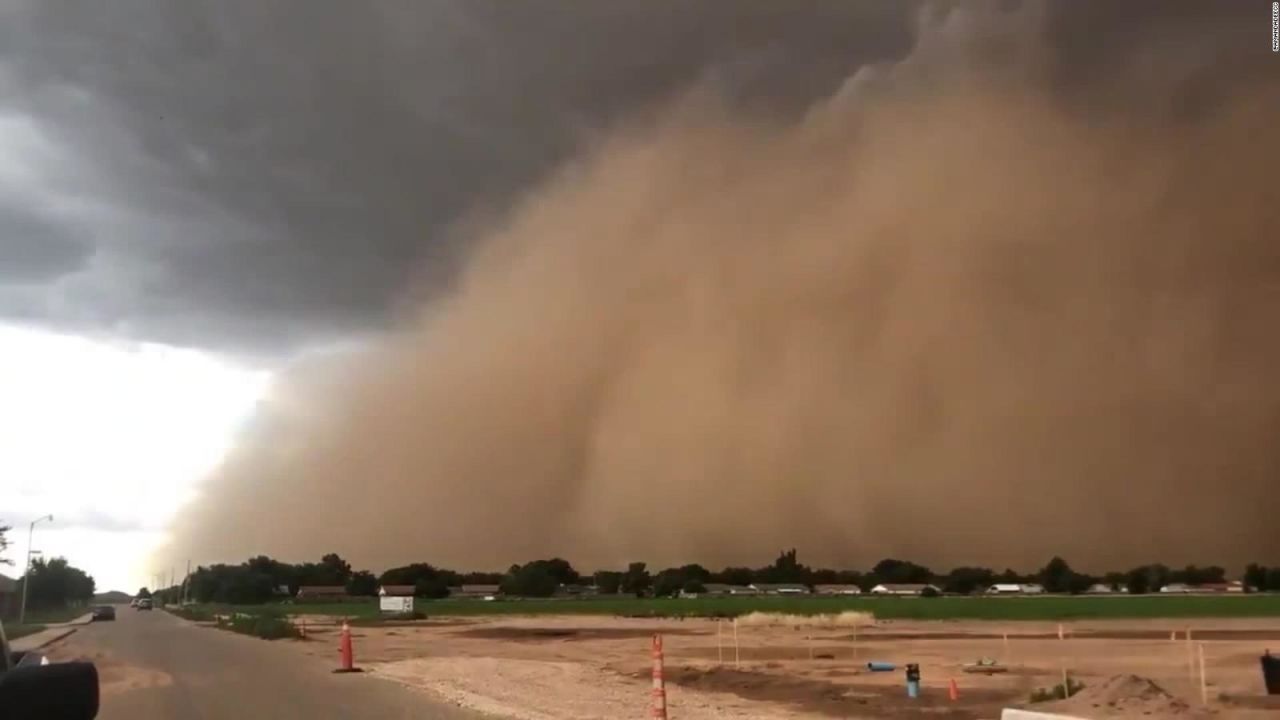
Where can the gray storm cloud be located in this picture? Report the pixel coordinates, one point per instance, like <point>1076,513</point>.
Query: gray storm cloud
<point>965,309</point>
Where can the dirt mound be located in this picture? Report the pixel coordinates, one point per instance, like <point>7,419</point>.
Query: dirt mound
<point>1126,695</point>
<point>848,618</point>
<point>563,633</point>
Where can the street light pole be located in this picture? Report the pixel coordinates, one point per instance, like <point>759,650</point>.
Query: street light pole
<point>26,577</point>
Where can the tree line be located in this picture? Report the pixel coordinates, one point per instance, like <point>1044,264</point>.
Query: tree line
<point>262,578</point>
<point>55,583</point>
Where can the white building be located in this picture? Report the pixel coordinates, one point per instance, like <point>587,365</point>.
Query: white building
<point>906,589</point>
<point>837,590</point>
<point>1016,589</point>
<point>780,588</point>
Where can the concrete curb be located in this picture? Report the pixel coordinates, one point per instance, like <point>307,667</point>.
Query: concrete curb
<point>42,639</point>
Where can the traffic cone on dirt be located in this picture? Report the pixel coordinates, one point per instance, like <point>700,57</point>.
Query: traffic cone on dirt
<point>953,692</point>
<point>659,711</point>
<point>344,649</point>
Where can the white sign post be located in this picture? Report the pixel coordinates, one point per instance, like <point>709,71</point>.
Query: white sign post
<point>395,604</point>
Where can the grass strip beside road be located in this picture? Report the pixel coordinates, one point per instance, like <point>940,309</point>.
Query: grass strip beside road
<point>944,608</point>
<point>55,615</point>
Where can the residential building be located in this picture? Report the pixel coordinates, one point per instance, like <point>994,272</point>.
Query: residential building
<point>326,593</point>
<point>475,591</point>
<point>837,590</point>
<point>781,588</point>
<point>1016,589</point>
<point>1100,589</point>
<point>396,591</point>
<point>904,589</point>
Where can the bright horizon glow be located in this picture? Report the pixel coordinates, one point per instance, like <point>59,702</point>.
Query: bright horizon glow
<point>111,439</point>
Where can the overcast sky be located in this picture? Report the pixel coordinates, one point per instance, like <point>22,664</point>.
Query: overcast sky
<point>248,180</point>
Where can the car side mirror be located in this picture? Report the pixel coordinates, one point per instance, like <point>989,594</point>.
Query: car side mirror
<point>61,691</point>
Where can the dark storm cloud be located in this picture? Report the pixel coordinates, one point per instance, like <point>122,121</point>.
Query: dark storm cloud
<point>994,301</point>
<point>275,171</point>
<point>35,249</point>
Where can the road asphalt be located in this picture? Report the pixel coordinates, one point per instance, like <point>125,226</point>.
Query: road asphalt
<point>153,665</point>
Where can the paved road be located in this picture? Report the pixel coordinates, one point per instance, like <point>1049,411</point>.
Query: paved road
<point>155,666</point>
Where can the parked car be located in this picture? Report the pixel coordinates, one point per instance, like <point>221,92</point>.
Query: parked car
<point>133,603</point>
<point>104,612</point>
<point>144,604</point>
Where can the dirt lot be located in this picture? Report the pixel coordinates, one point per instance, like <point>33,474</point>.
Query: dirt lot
<point>593,667</point>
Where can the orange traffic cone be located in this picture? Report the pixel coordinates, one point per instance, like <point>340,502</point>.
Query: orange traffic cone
<point>344,649</point>
<point>658,711</point>
<point>954,691</point>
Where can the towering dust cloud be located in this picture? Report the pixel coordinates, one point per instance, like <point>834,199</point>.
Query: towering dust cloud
<point>973,307</point>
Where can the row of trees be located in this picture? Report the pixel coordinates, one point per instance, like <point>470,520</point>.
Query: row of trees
<point>54,583</point>
<point>262,578</point>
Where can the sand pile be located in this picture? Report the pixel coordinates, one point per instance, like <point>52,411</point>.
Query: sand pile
<point>1124,695</point>
<point>844,619</point>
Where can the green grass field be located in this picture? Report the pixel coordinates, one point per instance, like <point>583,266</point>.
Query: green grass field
<point>59,615</point>
<point>945,608</point>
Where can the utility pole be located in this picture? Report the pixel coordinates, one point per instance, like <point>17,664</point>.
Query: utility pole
<point>26,575</point>
<point>186,584</point>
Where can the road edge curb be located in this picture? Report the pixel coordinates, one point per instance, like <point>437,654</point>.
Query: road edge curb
<point>55,637</point>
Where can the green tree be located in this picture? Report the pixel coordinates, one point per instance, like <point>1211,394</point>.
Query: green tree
<point>736,576</point>
<point>432,588</point>
<point>362,584</point>
<point>694,585</point>
<point>143,593</point>
<point>967,580</point>
<point>56,584</point>
<point>890,570</point>
<point>1115,580</point>
<point>530,580</point>
<point>636,580</point>
<point>1273,580</point>
<point>1057,576</point>
<point>608,581</point>
<point>1255,576</point>
<point>1144,579</point>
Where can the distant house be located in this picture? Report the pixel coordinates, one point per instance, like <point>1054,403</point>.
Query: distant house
<point>781,588</point>
<point>903,589</point>
<point>1100,589</point>
<point>837,590</point>
<point>1234,586</point>
<point>325,593</point>
<point>1016,589</point>
<point>396,591</point>
<point>1176,588</point>
<point>281,591</point>
<point>725,589</point>
<point>575,590</point>
<point>473,592</point>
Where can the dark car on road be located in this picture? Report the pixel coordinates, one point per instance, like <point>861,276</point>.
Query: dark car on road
<point>104,612</point>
